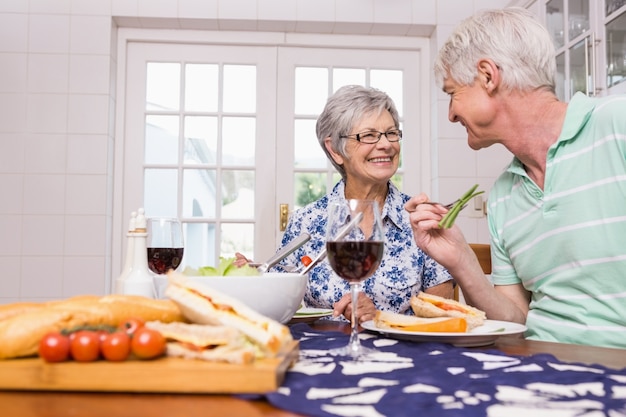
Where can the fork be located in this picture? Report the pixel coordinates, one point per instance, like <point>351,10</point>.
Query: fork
<point>446,206</point>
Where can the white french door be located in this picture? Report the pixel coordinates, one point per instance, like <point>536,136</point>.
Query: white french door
<point>220,135</point>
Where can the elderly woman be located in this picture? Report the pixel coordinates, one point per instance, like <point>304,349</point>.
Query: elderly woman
<point>359,132</point>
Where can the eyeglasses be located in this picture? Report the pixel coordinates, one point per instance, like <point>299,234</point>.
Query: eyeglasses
<point>373,136</point>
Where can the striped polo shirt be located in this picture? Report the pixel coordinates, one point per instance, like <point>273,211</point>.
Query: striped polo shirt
<point>566,244</point>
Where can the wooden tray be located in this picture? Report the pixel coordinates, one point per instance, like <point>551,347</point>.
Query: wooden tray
<point>172,375</point>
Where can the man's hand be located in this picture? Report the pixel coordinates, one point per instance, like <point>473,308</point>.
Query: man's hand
<point>443,245</point>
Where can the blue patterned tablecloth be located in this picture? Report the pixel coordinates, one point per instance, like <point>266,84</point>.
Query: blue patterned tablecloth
<point>435,379</point>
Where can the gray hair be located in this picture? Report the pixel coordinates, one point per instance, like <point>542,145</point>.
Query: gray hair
<point>519,45</point>
<point>344,109</point>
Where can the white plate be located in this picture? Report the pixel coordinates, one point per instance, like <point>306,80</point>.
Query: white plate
<point>308,314</point>
<point>480,336</point>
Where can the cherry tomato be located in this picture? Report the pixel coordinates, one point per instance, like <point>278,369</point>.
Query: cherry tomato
<point>85,346</point>
<point>147,343</point>
<point>131,325</point>
<point>54,347</point>
<point>102,334</point>
<point>116,346</point>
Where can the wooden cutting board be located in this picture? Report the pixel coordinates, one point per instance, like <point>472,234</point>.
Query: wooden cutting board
<point>172,375</point>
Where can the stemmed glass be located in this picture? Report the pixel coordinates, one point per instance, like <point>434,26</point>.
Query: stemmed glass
<point>354,246</point>
<point>165,244</point>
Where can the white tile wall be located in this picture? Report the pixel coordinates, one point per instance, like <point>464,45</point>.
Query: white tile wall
<point>12,187</point>
<point>48,73</point>
<point>11,160</point>
<point>50,6</point>
<point>46,113</point>
<point>91,7</point>
<point>206,9</point>
<point>13,32</point>
<point>45,153</point>
<point>57,110</point>
<point>89,74</point>
<point>14,72</point>
<point>48,34</point>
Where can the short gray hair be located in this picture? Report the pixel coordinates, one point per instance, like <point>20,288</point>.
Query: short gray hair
<point>512,38</point>
<point>345,108</point>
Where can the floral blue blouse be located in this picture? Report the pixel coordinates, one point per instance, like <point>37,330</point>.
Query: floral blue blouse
<point>404,270</point>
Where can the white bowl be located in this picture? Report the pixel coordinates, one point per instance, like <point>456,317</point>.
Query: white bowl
<point>275,295</point>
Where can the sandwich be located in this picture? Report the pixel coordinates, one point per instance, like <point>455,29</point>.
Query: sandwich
<point>432,306</point>
<point>205,342</point>
<point>202,304</point>
<point>395,321</point>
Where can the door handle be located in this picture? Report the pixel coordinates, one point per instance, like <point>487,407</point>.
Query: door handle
<point>283,216</point>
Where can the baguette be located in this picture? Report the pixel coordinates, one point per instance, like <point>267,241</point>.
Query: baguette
<point>22,331</point>
<point>429,305</point>
<point>14,309</point>
<point>395,321</point>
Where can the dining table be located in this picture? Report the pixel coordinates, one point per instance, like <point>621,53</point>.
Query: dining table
<point>26,403</point>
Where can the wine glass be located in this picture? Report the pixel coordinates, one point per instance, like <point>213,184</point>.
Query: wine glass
<point>354,246</point>
<point>165,244</point>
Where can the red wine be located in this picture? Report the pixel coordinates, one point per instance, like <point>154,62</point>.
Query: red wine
<point>354,261</point>
<point>161,260</point>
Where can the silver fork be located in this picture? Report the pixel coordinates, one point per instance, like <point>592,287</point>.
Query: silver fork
<point>446,206</point>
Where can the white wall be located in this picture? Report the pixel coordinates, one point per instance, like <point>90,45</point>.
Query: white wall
<point>57,124</point>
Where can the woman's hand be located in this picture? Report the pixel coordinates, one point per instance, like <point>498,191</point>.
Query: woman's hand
<point>240,260</point>
<point>366,310</point>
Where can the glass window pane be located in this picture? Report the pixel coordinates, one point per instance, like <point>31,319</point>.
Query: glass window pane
<point>578,17</point>
<point>160,192</point>
<point>238,194</point>
<point>311,90</point>
<point>199,193</point>
<point>554,21</point>
<point>578,75</point>
<point>162,86</point>
<point>237,237</point>
<point>238,140</point>
<point>200,140</point>
<point>561,86</point>
<point>307,150</point>
<point>401,162</point>
<point>389,81</point>
<point>240,88</point>
<point>616,50</point>
<point>614,5</point>
<point>347,76</point>
<point>397,181</point>
<point>161,142</point>
<point>199,245</point>
<point>201,87</point>
<point>309,186</point>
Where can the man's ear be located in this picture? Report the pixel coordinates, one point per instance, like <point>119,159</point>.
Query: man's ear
<point>489,74</point>
<point>336,156</point>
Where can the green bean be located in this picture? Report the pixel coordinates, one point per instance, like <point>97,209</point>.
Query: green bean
<point>448,219</point>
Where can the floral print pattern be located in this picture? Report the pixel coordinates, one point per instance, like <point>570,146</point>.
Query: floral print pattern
<point>403,272</point>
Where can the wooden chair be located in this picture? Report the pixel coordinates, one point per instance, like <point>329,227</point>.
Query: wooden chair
<point>483,253</point>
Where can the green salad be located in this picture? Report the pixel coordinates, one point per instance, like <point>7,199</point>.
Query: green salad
<point>226,267</point>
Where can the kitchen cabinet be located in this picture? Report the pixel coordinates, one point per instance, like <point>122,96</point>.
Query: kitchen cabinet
<point>590,41</point>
